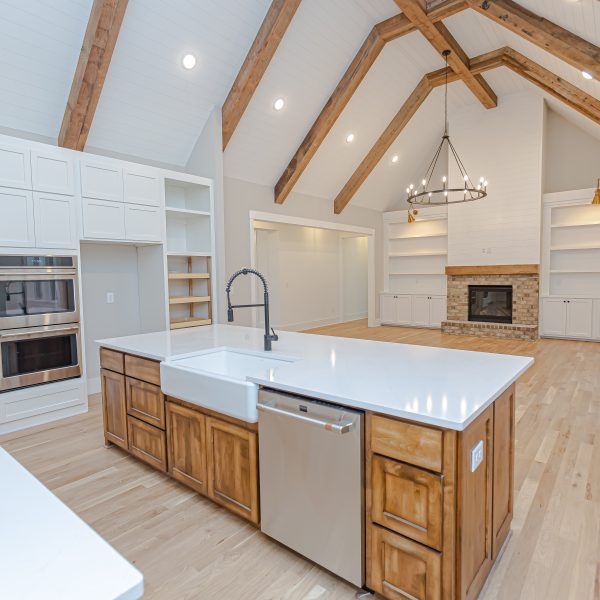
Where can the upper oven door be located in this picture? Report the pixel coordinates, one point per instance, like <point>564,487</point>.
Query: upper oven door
<point>38,298</point>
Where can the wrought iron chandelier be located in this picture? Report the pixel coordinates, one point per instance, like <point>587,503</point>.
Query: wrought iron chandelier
<point>425,196</point>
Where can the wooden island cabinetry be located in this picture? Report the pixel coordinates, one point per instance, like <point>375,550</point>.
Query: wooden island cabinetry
<point>211,453</point>
<point>435,524</point>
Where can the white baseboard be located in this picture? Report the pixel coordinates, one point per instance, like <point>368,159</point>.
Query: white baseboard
<point>308,324</point>
<point>93,385</point>
<point>355,317</point>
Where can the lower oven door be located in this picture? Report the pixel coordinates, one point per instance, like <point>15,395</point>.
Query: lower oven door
<point>39,355</point>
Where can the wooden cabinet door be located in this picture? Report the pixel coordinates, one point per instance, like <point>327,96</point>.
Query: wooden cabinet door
<point>579,318</point>
<point>504,438</point>
<point>55,221</point>
<point>421,311</point>
<point>554,316</point>
<point>114,408</point>
<point>148,443</point>
<point>16,221</point>
<point>233,468</point>
<point>143,223</point>
<point>52,171</point>
<point>146,402</point>
<point>186,446</point>
<point>401,569</point>
<point>407,500</point>
<point>474,496</point>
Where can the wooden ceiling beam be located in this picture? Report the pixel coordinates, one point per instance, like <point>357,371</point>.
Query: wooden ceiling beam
<point>386,31</point>
<point>99,42</point>
<point>442,40</point>
<point>552,84</point>
<point>479,64</point>
<point>545,34</point>
<point>270,34</point>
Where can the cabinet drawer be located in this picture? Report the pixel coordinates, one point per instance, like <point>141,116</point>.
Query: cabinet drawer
<point>142,368</point>
<point>401,569</point>
<point>407,500</point>
<point>111,360</point>
<point>146,402</point>
<point>148,443</point>
<point>414,444</point>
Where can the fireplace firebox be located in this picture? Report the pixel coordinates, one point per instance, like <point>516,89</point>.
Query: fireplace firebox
<point>490,303</point>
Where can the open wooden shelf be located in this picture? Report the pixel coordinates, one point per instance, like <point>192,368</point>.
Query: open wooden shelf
<point>188,299</point>
<point>189,322</point>
<point>179,276</point>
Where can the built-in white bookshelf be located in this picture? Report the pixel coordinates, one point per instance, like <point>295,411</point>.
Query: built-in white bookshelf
<point>189,250</point>
<point>416,254</point>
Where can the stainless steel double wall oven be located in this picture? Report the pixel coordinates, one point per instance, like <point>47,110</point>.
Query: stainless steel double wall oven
<point>39,320</point>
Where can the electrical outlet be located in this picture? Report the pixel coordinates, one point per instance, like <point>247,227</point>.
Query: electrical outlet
<point>476,455</point>
<point>110,297</point>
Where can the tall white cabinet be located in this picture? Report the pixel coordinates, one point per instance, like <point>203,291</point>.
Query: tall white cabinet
<point>415,255</point>
<point>570,278</point>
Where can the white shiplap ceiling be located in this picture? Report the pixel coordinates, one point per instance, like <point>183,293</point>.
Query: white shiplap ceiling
<point>39,49</point>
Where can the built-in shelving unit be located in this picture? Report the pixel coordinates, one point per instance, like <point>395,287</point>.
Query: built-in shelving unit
<point>189,253</point>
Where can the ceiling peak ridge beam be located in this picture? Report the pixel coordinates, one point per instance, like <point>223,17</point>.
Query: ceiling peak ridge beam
<point>265,44</point>
<point>97,49</point>
<point>442,40</point>
<point>545,34</point>
<point>552,84</point>
<point>479,64</point>
<point>385,31</point>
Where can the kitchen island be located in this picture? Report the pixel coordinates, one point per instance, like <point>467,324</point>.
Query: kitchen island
<point>438,451</point>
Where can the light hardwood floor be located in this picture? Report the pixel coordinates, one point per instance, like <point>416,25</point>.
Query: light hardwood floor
<point>189,548</point>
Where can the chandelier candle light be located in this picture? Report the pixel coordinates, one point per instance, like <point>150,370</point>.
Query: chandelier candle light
<point>423,195</point>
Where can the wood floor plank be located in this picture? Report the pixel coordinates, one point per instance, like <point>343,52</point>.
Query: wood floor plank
<point>189,548</point>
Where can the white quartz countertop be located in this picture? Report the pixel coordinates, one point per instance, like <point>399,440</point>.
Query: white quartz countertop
<point>47,551</point>
<point>438,386</point>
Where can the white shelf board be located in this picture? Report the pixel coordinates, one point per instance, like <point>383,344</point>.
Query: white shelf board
<point>413,254</point>
<point>575,272</point>
<point>411,274</point>
<point>180,253</point>
<point>569,248</point>
<point>187,211</point>
<point>416,237</point>
<point>559,225</point>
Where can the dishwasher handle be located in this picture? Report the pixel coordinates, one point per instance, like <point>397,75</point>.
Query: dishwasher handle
<point>339,427</point>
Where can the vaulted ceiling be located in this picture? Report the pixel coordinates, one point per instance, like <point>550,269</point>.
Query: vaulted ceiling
<point>151,108</point>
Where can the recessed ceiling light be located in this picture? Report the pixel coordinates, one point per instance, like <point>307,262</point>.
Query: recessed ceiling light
<point>395,158</point>
<point>279,104</point>
<point>188,61</point>
<point>586,75</point>
<point>349,138</point>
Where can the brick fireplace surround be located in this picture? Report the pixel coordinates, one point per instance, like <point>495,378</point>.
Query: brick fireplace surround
<point>525,281</point>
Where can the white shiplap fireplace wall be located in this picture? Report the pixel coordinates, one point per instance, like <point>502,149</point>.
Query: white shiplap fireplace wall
<point>505,145</point>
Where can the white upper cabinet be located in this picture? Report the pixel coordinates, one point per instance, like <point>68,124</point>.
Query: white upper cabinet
<point>15,166</point>
<point>103,220</point>
<point>141,187</point>
<point>52,171</point>
<point>16,222</point>
<point>55,221</point>
<point>143,223</point>
<point>102,180</point>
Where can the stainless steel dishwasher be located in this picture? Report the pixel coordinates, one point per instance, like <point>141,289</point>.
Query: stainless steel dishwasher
<point>311,480</point>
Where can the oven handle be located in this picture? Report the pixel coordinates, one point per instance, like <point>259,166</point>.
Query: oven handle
<point>38,275</point>
<point>36,332</point>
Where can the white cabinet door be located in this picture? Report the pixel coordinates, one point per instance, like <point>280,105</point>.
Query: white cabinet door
<point>15,167</point>
<point>16,218</point>
<point>142,223</point>
<point>596,331</point>
<point>554,316</point>
<point>141,187</point>
<point>420,311</point>
<point>438,310</point>
<point>52,171</point>
<point>388,313</point>
<point>579,318</point>
<point>404,310</point>
<point>55,221</point>
<point>103,220</point>
<point>101,180</point>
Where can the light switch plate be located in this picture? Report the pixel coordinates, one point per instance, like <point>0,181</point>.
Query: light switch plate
<point>476,455</point>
